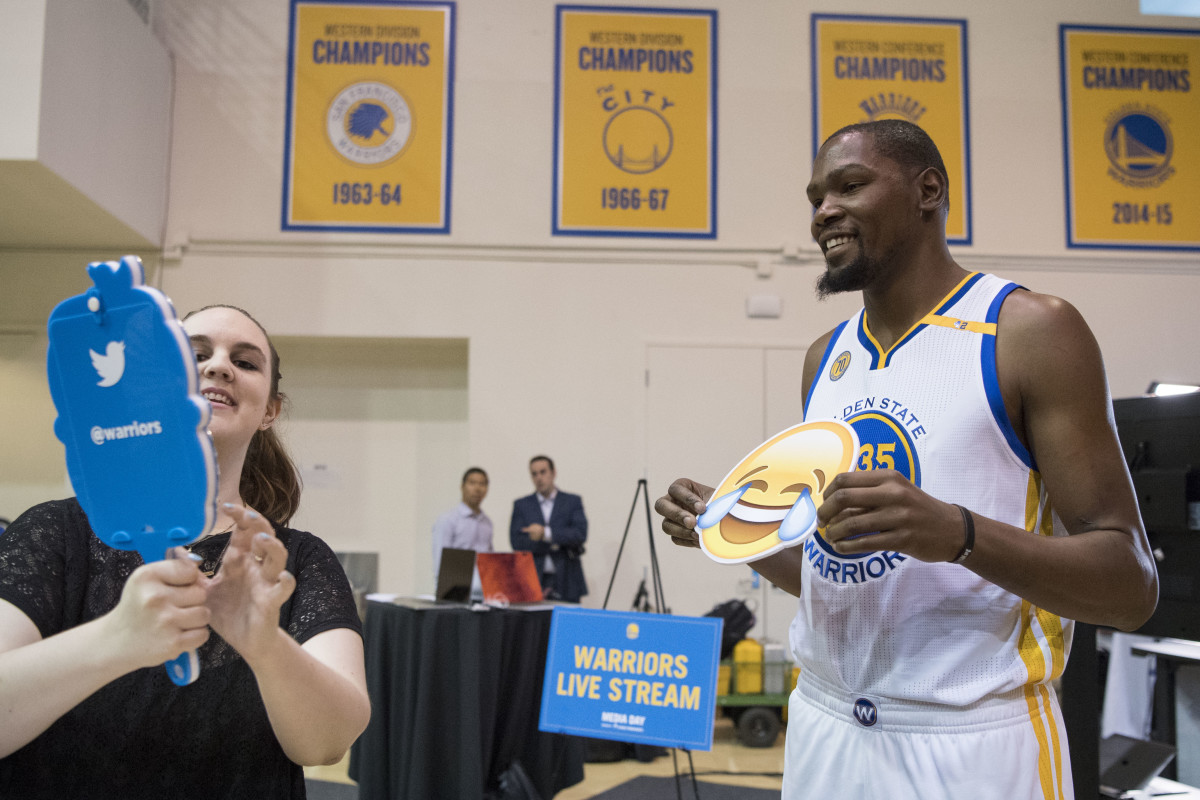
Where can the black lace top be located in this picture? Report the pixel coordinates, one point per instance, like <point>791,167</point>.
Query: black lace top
<point>141,736</point>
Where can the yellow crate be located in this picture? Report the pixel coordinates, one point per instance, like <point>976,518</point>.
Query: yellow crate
<point>724,678</point>
<point>748,667</point>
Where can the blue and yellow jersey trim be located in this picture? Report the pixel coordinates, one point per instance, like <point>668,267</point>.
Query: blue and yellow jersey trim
<point>991,383</point>
<point>1044,656</point>
<point>833,340</point>
<point>880,356</point>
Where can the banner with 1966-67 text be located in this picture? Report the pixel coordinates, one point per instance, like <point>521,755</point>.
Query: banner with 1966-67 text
<point>635,127</point>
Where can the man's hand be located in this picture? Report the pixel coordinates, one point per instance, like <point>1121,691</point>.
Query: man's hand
<point>684,501</point>
<point>882,510</point>
<point>535,531</point>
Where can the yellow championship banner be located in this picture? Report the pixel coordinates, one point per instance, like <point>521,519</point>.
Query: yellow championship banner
<point>1131,117</point>
<point>869,68</point>
<point>635,125</point>
<point>369,117</point>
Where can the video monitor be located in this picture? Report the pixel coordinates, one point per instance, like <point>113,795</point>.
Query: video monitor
<point>1160,437</point>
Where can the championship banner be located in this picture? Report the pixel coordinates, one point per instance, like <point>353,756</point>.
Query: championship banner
<point>632,677</point>
<point>635,129</point>
<point>869,68</point>
<point>1131,149</point>
<point>369,117</point>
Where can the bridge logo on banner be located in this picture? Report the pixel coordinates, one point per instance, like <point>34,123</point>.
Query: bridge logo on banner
<point>632,677</point>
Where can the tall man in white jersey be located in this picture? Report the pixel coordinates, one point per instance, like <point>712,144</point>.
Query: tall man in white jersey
<point>991,506</point>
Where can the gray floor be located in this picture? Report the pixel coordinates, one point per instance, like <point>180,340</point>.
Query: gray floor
<point>649,788</point>
<point>328,790</point>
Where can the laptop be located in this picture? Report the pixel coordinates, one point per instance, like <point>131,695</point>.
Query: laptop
<point>454,575</point>
<point>1128,764</point>
<point>509,578</point>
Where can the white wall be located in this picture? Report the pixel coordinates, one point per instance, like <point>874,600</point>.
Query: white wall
<point>20,47</point>
<point>106,114</point>
<point>558,327</point>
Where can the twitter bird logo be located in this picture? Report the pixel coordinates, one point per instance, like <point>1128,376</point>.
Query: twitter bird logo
<point>111,365</point>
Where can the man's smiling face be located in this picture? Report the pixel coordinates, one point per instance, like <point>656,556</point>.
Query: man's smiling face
<point>865,204</point>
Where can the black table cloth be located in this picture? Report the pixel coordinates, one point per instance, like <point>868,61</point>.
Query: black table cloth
<point>455,697</point>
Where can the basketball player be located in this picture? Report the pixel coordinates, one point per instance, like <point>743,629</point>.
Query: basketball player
<point>989,509</point>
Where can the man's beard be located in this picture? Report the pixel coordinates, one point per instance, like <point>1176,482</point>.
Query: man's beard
<point>853,277</point>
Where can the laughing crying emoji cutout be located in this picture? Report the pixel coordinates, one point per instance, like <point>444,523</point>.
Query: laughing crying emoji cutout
<point>769,500</point>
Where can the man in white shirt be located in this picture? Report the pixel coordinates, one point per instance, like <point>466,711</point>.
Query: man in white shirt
<point>465,526</point>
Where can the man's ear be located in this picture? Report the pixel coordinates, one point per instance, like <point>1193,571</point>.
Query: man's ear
<point>934,192</point>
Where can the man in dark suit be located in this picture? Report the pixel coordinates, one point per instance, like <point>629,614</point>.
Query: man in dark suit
<point>551,525</point>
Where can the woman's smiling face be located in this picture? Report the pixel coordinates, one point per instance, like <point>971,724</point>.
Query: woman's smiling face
<point>234,359</point>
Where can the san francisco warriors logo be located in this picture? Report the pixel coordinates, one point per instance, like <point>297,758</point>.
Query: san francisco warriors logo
<point>884,443</point>
<point>369,123</point>
<point>1139,145</point>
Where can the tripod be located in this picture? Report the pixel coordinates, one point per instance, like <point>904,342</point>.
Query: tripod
<point>660,605</point>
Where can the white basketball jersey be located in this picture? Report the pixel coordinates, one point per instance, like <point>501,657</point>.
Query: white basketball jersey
<point>893,627</point>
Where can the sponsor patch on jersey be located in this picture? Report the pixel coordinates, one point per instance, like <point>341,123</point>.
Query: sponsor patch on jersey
<point>839,366</point>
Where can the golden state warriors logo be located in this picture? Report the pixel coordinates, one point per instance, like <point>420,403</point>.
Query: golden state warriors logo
<point>885,441</point>
<point>769,500</point>
<point>839,366</point>
<point>637,137</point>
<point>369,123</point>
<point>1139,145</point>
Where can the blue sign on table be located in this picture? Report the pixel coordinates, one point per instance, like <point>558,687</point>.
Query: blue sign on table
<point>632,677</point>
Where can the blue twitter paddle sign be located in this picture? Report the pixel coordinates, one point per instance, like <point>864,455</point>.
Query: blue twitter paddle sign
<point>135,428</point>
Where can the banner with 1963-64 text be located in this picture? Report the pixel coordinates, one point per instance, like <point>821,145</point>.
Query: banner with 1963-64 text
<point>369,116</point>
<point>870,68</point>
<point>635,126</point>
<point>1131,137</point>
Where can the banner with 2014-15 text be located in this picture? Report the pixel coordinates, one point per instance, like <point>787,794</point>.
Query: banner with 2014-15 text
<point>635,122</point>
<point>870,68</point>
<point>1131,116</point>
<point>369,116</point>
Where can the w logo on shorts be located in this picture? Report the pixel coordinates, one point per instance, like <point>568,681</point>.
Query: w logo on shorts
<point>865,713</point>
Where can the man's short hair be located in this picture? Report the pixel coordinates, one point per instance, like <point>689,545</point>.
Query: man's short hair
<point>475,471</point>
<point>547,459</point>
<point>903,142</point>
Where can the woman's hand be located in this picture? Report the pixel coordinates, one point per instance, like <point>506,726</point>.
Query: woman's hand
<point>161,613</point>
<point>250,586</point>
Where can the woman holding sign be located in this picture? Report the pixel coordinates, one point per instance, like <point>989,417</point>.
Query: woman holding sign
<point>85,704</point>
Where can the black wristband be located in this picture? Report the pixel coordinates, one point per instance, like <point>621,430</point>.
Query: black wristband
<point>968,535</point>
